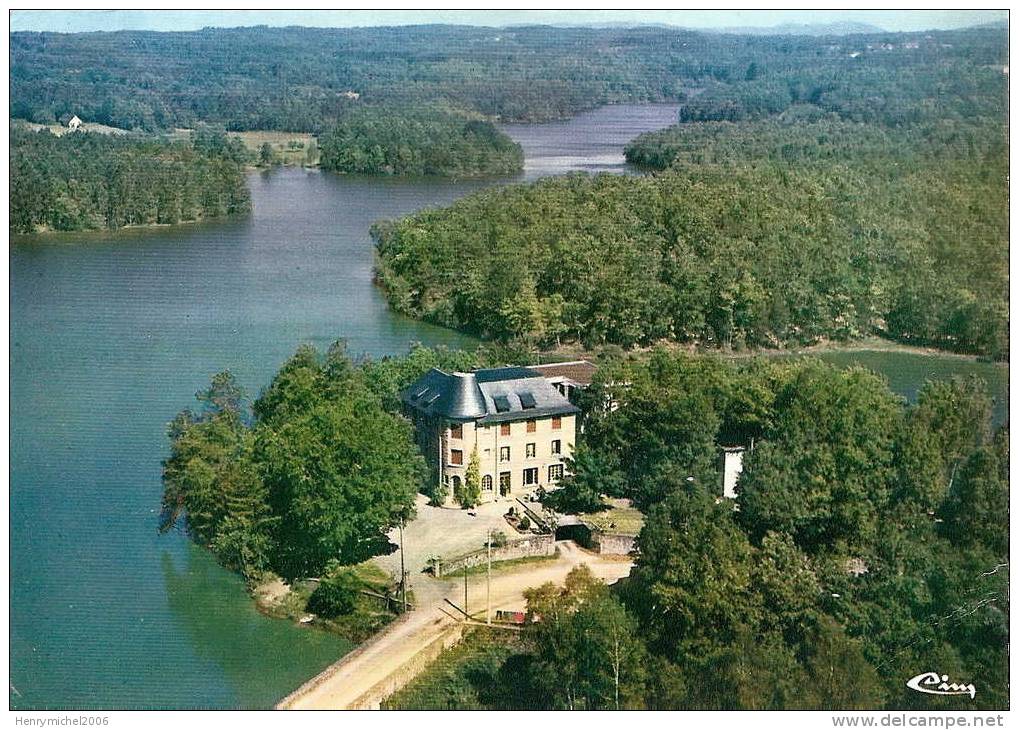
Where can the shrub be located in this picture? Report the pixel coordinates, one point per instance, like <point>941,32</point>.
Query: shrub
<point>525,523</point>
<point>336,594</point>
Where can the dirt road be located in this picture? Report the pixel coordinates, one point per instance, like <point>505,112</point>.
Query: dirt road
<point>392,658</point>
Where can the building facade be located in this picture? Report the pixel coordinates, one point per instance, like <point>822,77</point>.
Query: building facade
<point>521,427</point>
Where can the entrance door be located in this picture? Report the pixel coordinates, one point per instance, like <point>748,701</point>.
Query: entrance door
<point>504,483</point>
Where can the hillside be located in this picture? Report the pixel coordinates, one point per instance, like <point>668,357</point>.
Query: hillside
<point>303,79</point>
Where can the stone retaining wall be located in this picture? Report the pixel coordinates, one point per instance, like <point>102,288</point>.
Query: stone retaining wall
<point>531,546</point>
<point>610,544</point>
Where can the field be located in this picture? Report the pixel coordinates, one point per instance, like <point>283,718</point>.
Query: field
<point>60,129</point>
<point>289,148</point>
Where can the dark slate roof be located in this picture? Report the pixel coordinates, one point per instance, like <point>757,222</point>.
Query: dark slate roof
<point>455,396</point>
<point>510,372</point>
<point>520,393</point>
<point>470,396</point>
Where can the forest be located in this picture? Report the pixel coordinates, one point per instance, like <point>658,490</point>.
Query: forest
<point>85,180</point>
<point>869,196</point>
<point>384,141</point>
<point>827,237</point>
<point>303,79</point>
<point>871,540</point>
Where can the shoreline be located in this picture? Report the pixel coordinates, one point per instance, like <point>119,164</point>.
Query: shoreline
<point>865,344</point>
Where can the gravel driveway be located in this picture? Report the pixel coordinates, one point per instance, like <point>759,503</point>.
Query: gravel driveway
<point>444,532</point>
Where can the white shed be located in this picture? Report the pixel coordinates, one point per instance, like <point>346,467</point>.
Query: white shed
<point>74,123</point>
<point>732,467</point>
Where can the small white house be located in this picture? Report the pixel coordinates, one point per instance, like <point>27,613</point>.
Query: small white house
<point>74,124</point>
<point>732,467</point>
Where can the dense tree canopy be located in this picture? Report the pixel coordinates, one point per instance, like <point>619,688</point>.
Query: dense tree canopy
<point>322,472</point>
<point>298,79</point>
<point>874,199</point>
<point>760,235</point>
<point>849,549</point>
<point>382,141</point>
<point>85,180</point>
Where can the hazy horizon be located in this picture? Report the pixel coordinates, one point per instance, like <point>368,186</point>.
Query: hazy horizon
<point>76,21</point>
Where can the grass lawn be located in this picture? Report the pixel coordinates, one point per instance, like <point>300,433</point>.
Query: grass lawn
<point>621,518</point>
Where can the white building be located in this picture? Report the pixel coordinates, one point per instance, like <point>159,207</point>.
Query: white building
<point>732,467</point>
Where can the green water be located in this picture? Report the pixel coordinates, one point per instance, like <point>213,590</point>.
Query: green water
<point>112,334</point>
<point>907,372</point>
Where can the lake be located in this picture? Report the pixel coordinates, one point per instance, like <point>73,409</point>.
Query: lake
<point>113,333</point>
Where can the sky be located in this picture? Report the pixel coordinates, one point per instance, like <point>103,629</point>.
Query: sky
<point>67,21</point>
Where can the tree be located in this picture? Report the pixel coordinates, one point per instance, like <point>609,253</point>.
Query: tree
<point>589,475</point>
<point>586,654</point>
<point>336,594</point>
<point>223,394</point>
<point>210,478</point>
<point>266,156</point>
<point>755,672</point>
<point>839,673</point>
<point>322,474</point>
<point>823,473</point>
<point>468,494</point>
<point>340,475</point>
<point>976,510</point>
<point>693,564</point>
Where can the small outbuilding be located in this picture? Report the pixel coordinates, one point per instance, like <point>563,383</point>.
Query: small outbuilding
<point>74,123</point>
<point>732,467</point>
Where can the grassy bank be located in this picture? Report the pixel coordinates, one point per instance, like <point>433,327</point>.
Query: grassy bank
<point>276,599</point>
<point>470,676</point>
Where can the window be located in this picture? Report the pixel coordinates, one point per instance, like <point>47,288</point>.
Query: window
<point>504,429</point>
<point>504,453</point>
<point>557,422</point>
<point>557,447</point>
<point>505,482</point>
<point>456,457</point>
<point>530,451</point>
<point>532,425</point>
<point>486,482</point>
<point>530,477</point>
<point>555,472</point>
<point>456,431</point>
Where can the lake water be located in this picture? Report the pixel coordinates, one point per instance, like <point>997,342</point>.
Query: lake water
<point>112,334</point>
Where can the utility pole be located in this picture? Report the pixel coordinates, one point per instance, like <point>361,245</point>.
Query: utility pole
<point>488,601</point>
<point>465,590</point>
<point>403,570</point>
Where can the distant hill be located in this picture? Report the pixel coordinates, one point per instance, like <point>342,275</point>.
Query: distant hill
<point>813,29</point>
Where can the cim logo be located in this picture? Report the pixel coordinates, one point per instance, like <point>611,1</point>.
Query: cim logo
<point>932,683</point>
